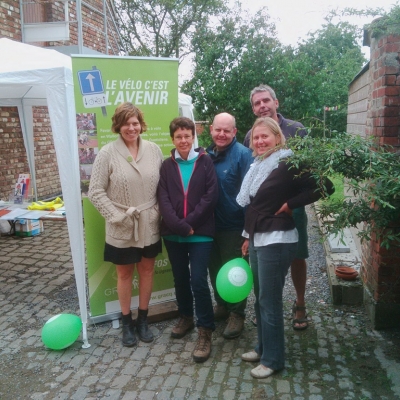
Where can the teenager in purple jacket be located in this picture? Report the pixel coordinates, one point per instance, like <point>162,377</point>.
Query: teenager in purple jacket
<point>187,195</point>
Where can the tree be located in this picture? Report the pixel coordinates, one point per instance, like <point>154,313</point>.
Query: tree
<point>163,28</point>
<point>333,58</point>
<point>242,52</point>
<point>231,57</point>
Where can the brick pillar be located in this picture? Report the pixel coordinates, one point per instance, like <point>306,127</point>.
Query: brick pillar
<point>381,267</point>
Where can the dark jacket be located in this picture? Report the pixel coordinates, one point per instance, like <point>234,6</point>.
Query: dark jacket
<point>231,166</point>
<point>181,211</point>
<point>284,184</point>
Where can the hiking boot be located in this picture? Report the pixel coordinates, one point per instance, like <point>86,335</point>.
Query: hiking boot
<point>145,334</point>
<point>128,331</point>
<point>202,349</point>
<point>220,312</point>
<point>184,325</point>
<point>235,326</point>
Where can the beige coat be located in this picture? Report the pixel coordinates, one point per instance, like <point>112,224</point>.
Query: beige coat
<point>124,192</point>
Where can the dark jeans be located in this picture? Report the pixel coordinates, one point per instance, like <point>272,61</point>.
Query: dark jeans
<point>227,245</point>
<point>270,265</point>
<point>189,266</point>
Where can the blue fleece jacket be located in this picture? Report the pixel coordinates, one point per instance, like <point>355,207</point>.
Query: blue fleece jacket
<point>231,166</point>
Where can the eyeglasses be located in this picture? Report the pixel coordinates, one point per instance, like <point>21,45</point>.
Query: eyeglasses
<point>180,138</point>
<point>224,131</point>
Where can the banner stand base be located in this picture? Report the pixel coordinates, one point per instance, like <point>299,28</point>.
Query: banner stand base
<point>157,313</point>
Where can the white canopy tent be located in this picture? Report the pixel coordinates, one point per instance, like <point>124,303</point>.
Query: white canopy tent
<point>32,76</point>
<point>186,110</point>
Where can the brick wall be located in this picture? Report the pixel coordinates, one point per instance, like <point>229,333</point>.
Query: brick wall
<point>13,159</point>
<point>47,176</point>
<point>200,126</point>
<point>381,272</point>
<point>10,26</point>
<point>381,267</point>
<point>383,120</point>
<point>92,29</point>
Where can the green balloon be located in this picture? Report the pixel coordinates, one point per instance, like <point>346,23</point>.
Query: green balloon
<point>234,280</point>
<point>61,331</point>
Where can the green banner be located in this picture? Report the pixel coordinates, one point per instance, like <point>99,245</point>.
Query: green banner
<point>102,83</point>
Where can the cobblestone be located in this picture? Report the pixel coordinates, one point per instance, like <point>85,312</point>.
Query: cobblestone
<point>338,357</point>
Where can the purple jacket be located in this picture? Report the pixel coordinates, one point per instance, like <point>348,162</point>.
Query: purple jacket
<point>181,211</point>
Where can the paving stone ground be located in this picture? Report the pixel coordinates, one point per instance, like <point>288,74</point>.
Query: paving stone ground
<point>338,357</point>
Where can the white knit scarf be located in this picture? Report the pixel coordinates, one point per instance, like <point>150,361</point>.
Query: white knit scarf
<point>258,173</point>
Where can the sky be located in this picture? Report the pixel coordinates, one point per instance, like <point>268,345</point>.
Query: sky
<point>295,18</point>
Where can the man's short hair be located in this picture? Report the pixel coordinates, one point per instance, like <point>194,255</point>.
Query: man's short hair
<point>181,123</point>
<point>260,89</point>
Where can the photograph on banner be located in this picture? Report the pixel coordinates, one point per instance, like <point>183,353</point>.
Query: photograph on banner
<point>102,83</point>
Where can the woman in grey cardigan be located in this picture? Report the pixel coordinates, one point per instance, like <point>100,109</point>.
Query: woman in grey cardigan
<point>123,188</point>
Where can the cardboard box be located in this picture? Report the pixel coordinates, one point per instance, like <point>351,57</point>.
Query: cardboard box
<point>28,227</point>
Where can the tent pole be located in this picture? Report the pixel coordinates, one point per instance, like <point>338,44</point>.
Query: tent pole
<point>25,113</point>
<point>86,344</point>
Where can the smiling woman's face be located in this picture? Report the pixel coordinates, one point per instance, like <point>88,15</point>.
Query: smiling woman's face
<point>130,130</point>
<point>183,141</point>
<point>264,140</point>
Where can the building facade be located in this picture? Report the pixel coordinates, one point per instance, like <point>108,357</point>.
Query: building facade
<point>374,110</point>
<point>59,25</point>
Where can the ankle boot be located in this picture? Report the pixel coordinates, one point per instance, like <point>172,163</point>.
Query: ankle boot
<point>128,331</point>
<point>202,349</point>
<point>145,334</point>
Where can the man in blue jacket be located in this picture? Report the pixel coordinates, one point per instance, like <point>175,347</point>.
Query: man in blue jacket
<point>265,104</point>
<point>231,160</point>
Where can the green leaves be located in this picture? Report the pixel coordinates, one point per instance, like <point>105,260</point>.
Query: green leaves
<point>371,174</point>
<point>232,56</point>
<point>240,52</point>
<point>386,24</point>
<point>163,28</point>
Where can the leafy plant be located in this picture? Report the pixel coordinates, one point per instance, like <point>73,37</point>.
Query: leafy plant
<point>372,173</point>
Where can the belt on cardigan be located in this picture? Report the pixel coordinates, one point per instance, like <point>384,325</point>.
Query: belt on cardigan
<point>135,212</point>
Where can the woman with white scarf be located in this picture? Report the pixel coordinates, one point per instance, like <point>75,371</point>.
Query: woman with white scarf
<point>271,190</point>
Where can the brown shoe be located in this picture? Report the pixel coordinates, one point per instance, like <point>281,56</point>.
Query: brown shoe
<point>235,326</point>
<point>220,312</point>
<point>203,345</point>
<point>184,325</point>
